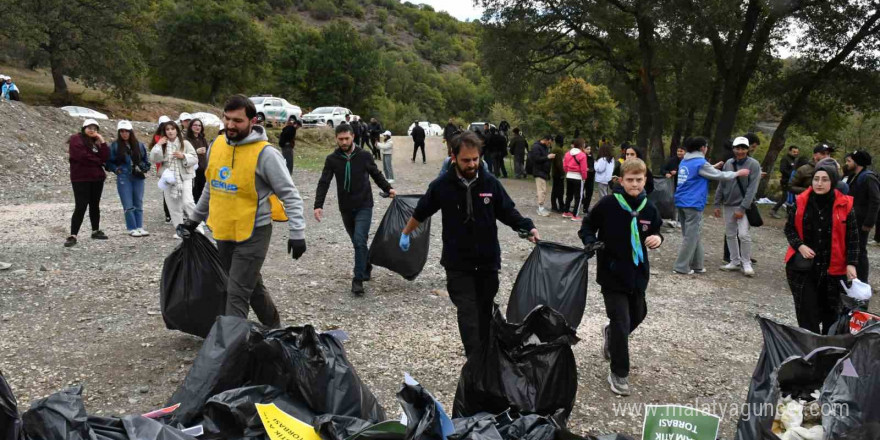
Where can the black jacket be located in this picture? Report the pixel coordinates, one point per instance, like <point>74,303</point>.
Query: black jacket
<point>470,231</point>
<point>449,132</point>
<point>540,162</point>
<point>360,193</point>
<point>518,145</point>
<point>497,145</point>
<point>418,134</point>
<point>375,128</point>
<point>609,223</point>
<point>671,165</point>
<point>786,166</point>
<point>865,191</point>
<point>287,139</point>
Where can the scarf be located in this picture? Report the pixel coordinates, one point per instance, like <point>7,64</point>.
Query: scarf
<point>175,165</point>
<point>638,254</point>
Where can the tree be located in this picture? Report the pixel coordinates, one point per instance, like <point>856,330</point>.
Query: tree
<point>574,103</point>
<point>94,41</point>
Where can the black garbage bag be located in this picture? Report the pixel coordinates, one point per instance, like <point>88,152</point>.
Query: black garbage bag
<point>192,293</point>
<point>554,275</point>
<point>850,391</point>
<point>425,416</point>
<point>528,367</point>
<point>10,420</point>
<point>663,197</point>
<point>133,427</point>
<point>512,426</point>
<point>385,248</point>
<point>233,414</point>
<point>332,427</point>
<point>781,344</point>
<point>311,368</point>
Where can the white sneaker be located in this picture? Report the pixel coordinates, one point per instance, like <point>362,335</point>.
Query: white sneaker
<point>390,180</point>
<point>135,233</point>
<point>143,232</point>
<point>730,267</point>
<point>543,212</point>
<point>747,270</point>
<point>176,237</point>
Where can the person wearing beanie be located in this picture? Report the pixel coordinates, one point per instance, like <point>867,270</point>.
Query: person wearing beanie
<point>802,178</point>
<point>864,188</point>
<point>823,251</point>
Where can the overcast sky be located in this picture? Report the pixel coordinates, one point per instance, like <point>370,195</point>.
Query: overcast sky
<point>460,9</point>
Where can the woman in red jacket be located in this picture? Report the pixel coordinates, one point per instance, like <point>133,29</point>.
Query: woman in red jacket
<point>575,166</point>
<point>87,154</point>
<point>824,250</point>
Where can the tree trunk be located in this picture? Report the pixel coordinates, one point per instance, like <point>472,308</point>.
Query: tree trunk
<point>60,83</point>
<point>712,108</point>
<point>646,46</point>
<point>689,123</point>
<point>777,142</point>
<point>644,119</point>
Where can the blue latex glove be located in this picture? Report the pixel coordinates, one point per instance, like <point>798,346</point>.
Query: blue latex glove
<point>404,242</point>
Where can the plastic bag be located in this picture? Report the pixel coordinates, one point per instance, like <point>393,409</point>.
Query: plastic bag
<point>233,413</point>
<point>512,373</point>
<point>425,417</point>
<point>554,275</point>
<point>663,197</point>
<point>511,426</point>
<point>331,427</point>
<point>192,293</point>
<point>858,291</point>
<point>850,390</point>
<point>10,420</point>
<point>385,248</point>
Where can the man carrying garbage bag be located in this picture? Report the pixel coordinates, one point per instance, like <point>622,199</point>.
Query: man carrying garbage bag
<point>629,225</point>
<point>246,178</point>
<point>471,202</point>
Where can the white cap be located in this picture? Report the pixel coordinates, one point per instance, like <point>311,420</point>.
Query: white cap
<point>163,119</point>
<point>184,117</point>
<point>88,122</point>
<point>387,133</point>
<point>741,141</point>
<point>123,125</point>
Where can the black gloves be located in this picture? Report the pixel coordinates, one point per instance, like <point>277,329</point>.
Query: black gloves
<point>186,228</point>
<point>591,247</point>
<point>296,248</point>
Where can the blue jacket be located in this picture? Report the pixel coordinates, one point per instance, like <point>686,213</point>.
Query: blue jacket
<point>7,88</point>
<point>694,174</point>
<point>125,167</point>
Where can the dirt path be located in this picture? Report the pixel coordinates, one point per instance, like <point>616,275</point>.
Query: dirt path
<point>90,314</point>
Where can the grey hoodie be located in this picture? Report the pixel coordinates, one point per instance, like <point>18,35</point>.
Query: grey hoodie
<point>272,177</point>
<point>728,192</point>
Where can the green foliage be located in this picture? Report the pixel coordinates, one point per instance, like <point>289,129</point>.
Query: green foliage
<point>323,9</point>
<point>574,103</point>
<point>503,112</point>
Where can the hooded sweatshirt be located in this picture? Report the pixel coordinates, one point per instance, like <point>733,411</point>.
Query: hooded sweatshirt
<point>272,177</point>
<point>575,164</point>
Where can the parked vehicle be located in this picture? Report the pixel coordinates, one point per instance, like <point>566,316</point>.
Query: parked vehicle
<point>83,112</point>
<point>430,129</point>
<point>325,116</point>
<point>479,126</point>
<point>272,110</point>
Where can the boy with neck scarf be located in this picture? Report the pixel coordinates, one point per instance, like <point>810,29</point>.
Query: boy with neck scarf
<point>628,224</point>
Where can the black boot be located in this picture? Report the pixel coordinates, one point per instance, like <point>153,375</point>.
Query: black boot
<point>357,287</point>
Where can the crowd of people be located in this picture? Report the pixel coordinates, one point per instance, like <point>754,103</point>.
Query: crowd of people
<point>237,184</point>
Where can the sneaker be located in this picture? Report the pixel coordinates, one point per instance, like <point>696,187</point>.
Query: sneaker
<point>167,219</point>
<point>576,218</point>
<point>543,212</point>
<point>619,385</point>
<point>357,287</point>
<point>98,235</point>
<point>606,352</point>
<point>748,271</point>
<point>675,272</point>
<point>390,180</point>
<point>566,214</point>
<point>135,233</point>
<point>143,232</point>
<point>730,267</point>
<point>176,237</point>
<point>70,242</point>
<point>775,214</point>
<point>703,270</point>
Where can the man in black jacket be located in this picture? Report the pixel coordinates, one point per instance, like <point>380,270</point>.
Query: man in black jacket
<point>287,141</point>
<point>497,149</point>
<point>786,167</point>
<point>375,130</point>
<point>628,224</point>
<point>471,202</point>
<point>352,168</point>
<point>864,187</point>
<point>518,148</point>
<point>449,132</point>
<point>418,137</point>
<point>541,160</point>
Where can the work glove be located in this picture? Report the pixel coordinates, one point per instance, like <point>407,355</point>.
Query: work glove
<point>404,242</point>
<point>185,229</point>
<point>296,248</point>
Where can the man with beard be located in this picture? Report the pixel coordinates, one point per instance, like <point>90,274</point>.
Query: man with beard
<point>471,202</point>
<point>353,168</point>
<point>246,178</point>
<point>864,188</point>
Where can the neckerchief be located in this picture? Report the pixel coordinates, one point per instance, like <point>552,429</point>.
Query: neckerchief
<point>638,255</point>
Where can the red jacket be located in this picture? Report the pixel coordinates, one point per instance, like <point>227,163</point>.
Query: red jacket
<point>85,164</point>
<point>842,206</point>
<point>575,163</point>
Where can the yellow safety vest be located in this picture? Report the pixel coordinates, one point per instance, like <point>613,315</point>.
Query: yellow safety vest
<point>232,176</point>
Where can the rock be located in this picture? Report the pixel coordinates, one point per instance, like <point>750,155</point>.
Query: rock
<point>43,266</point>
<point>19,271</point>
<point>145,389</point>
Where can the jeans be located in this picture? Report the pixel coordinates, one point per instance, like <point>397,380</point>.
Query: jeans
<point>863,267</point>
<point>603,190</point>
<point>86,195</point>
<point>690,255</point>
<point>519,166</point>
<point>736,232</point>
<point>625,311</point>
<point>416,146</point>
<point>473,293</point>
<point>357,225</point>
<point>500,169</point>
<point>244,288</point>
<point>131,194</point>
<point>575,192</point>
<point>287,153</point>
<point>387,166</point>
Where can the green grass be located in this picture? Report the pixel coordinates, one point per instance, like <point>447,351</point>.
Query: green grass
<point>312,146</point>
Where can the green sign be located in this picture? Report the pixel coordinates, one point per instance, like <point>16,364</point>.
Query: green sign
<point>674,422</point>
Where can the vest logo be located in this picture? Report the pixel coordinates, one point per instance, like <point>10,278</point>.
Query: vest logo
<point>682,175</point>
<point>225,173</point>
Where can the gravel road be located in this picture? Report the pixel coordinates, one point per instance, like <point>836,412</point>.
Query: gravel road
<point>90,314</point>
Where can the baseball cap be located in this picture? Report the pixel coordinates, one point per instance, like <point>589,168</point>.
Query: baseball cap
<point>823,148</point>
<point>88,122</point>
<point>742,140</point>
<point>163,119</point>
<point>123,125</point>
<point>184,117</point>
<point>387,133</point>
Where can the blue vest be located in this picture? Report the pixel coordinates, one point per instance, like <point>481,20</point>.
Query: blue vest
<point>692,188</point>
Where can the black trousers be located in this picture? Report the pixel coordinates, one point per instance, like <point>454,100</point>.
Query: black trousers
<point>288,157</point>
<point>473,293</point>
<point>165,207</point>
<point>816,298</point>
<point>244,289</point>
<point>574,192</point>
<point>557,194</point>
<point>588,192</point>
<point>863,268</point>
<point>198,185</point>
<point>416,146</point>
<point>374,140</point>
<point>86,195</point>
<point>625,311</point>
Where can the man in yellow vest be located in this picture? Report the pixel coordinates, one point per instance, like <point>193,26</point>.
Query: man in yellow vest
<point>248,187</point>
